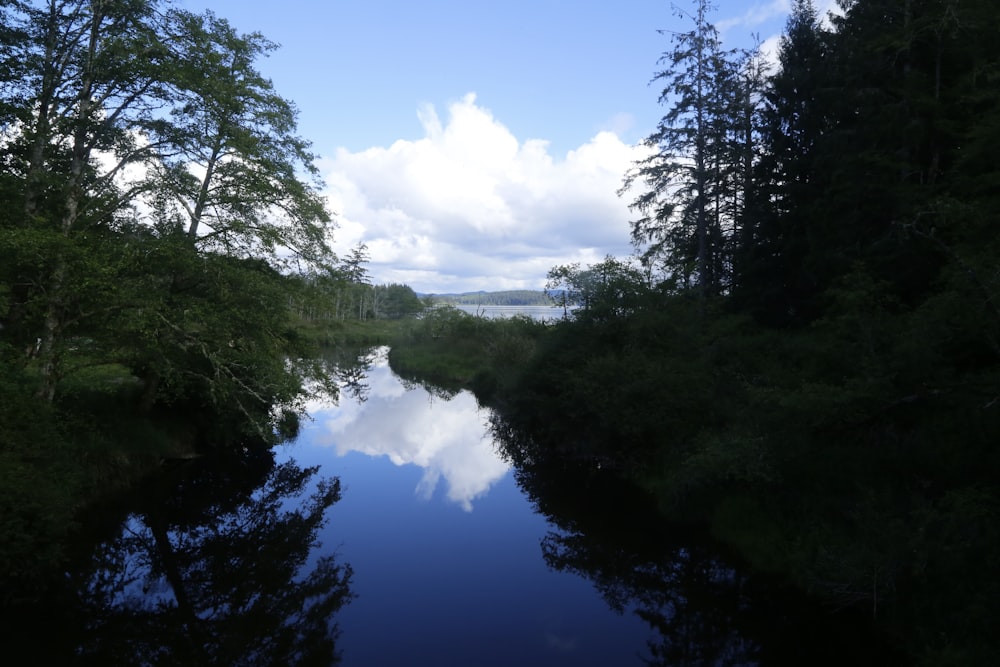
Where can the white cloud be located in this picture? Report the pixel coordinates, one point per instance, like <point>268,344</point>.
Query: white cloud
<point>756,15</point>
<point>470,206</point>
<point>826,7</point>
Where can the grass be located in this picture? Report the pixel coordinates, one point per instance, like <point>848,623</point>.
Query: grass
<point>454,349</point>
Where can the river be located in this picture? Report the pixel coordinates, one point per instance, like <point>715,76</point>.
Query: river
<point>444,545</point>
<point>393,531</point>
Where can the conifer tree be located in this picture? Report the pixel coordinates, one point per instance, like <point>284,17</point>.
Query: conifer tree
<point>691,197</point>
<point>773,278</point>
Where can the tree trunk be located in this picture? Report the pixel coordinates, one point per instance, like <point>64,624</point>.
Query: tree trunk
<point>79,157</point>
<point>48,352</point>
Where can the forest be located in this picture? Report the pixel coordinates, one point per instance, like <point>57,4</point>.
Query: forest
<point>804,355</point>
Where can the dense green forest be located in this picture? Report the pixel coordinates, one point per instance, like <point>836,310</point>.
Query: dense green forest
<point>166,273</point>
<point>804,357</point>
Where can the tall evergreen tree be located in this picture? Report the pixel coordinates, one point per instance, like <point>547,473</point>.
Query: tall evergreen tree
<point>894,131</point>
<point>774,280</point>
<point>689,180</point>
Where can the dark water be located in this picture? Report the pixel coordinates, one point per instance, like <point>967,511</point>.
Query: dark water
<point>393,532</point>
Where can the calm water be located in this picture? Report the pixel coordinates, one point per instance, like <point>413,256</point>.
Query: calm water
<point>392,532</point>
<point>445,548</point>
<point>459,559</point>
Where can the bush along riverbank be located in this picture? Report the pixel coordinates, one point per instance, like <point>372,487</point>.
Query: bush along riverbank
<point>452,349</point>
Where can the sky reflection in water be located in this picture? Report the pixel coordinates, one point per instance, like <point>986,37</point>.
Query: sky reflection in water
<point>437,585</point>
<point>447,439</point>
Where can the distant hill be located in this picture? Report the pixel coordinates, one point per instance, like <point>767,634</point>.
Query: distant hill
<point>503,298</point>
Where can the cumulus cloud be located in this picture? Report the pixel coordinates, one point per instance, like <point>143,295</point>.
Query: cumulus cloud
<point>470,206</point>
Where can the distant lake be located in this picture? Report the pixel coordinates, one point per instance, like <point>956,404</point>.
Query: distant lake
<point>536,312</point>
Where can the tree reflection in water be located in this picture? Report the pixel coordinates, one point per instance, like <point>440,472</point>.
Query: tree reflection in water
<point>352,368</point>
<point>690,599</point>
<point>210,572</point>
<point>701,608</point>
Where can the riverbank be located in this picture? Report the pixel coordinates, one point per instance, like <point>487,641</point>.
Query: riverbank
<point>454,349</point>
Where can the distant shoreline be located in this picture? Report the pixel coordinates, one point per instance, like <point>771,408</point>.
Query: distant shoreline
<point>499,298</point>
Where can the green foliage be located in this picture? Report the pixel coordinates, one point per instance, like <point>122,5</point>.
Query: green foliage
<point>95,77</point>
<point>612,288</point>
<point>454,349</point>
<point>395,301</point>
<point>445,345</point>
<point>840,456</point>
<point>331,297</point>
<point>130,301</point>
<point>39,489</point>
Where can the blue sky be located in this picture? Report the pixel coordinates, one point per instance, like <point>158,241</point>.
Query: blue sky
<point>473,145</point>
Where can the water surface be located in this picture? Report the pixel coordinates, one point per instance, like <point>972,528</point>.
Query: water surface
<point>445,548</point>
<point>545,313</point>
<point>459,559</point>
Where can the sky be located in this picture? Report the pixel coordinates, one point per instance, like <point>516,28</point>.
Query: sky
<point>472,144</point>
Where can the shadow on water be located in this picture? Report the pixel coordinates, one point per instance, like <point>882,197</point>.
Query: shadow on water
<point>701,605</point>
<point>209,566</point>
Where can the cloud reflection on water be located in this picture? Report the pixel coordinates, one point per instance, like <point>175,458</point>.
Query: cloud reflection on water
<point>447,438</point>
